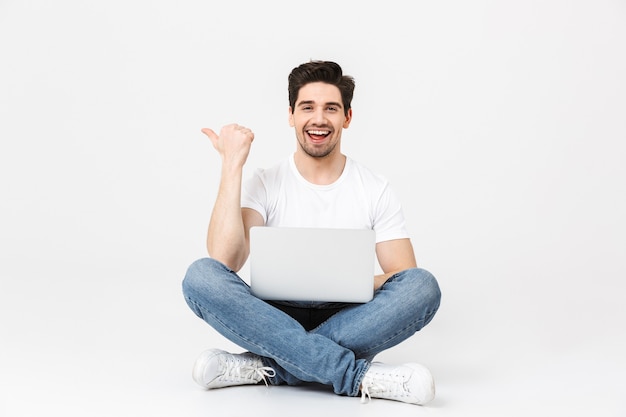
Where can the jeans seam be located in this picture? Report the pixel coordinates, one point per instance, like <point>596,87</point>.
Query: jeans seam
<point>359,380</point>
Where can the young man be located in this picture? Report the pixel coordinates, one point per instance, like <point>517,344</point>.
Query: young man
<point>291,342</point>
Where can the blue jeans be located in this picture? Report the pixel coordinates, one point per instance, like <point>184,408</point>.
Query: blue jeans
<point>338,350</point>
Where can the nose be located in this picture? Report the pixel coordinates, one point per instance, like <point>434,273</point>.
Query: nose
<point>318,116</point>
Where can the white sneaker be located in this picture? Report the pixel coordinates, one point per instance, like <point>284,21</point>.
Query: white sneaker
<point>409,383</point>
<point>216,368</point>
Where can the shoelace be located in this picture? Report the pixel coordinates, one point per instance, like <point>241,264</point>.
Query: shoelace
<point>389,384</point>
<point>365,393</point>
<point>240,368</point>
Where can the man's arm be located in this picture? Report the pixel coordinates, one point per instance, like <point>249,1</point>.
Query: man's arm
<point>393,256</point>
<point>227,239</point>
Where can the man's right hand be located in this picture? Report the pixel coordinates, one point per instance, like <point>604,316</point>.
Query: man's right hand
<point>233,143</point>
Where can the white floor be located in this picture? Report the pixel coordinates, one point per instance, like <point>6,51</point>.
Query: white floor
<point>126,347</point>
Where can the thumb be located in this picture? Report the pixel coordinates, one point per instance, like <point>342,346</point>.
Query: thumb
<point>211,134</point>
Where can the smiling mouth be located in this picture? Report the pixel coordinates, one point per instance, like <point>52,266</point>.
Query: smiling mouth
<point>318,135</point>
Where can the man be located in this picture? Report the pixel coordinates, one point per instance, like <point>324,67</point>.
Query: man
<point>290,342</point>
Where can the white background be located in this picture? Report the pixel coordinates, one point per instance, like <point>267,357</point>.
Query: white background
<point>502,126</point>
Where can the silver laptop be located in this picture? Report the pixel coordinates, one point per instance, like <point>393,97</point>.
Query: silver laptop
<point>312,264</point>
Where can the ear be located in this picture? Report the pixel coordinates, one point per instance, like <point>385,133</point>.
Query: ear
<point>292,123</point>
<point>346,122</point>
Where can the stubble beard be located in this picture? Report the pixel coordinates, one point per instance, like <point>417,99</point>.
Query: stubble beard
<point>315,152</point>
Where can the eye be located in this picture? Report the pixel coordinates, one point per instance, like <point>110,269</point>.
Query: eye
<point>332,108</point>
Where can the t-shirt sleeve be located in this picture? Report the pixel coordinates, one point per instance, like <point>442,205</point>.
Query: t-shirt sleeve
<point>254,194</point>
<point>389,222</point>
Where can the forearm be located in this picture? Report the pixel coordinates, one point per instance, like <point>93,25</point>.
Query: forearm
<point>379,280</point>
<point>226,235</point>
<point>394,256</point>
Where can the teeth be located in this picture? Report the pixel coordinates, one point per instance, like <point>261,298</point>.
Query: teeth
<point>318,132</point>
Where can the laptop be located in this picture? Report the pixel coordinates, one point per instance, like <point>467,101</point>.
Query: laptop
<point>312,264</point>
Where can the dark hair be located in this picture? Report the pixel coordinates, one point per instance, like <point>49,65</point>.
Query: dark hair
<point>321,71</point>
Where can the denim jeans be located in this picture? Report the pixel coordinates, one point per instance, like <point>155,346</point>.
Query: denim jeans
<point>338,350</point>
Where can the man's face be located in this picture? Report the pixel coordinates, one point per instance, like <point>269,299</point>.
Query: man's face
<point>318,119</point>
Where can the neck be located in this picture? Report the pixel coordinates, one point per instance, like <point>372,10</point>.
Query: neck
<point>320,171</point>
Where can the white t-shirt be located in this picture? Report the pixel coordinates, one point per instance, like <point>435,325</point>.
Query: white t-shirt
<point>359,199</point>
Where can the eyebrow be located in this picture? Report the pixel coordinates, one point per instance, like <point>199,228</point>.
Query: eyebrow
<point>330,103</point>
